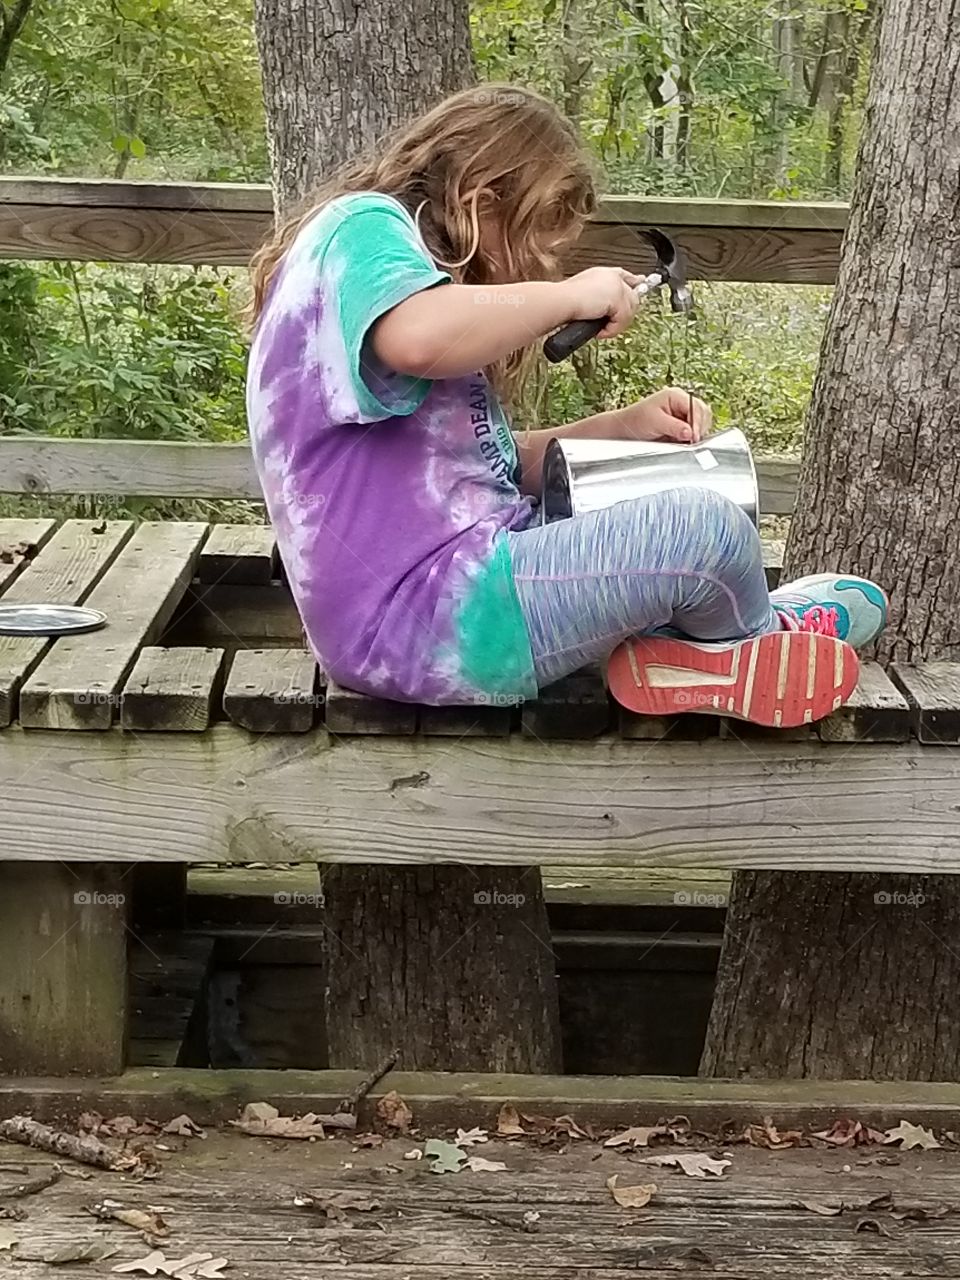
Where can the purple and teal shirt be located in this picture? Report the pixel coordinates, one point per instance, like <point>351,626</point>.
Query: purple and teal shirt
<point>389,495</point>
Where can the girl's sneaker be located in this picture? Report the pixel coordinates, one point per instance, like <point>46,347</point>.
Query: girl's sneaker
<point>781,679</point>
<point>853,609</point>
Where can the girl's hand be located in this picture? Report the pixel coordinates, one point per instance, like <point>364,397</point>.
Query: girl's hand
<point>602,291</point>
<point>666,415</point>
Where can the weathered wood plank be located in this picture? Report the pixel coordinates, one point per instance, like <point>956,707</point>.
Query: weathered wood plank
<point>20,540</point>
<point>450,1098</point>
<point>487,721</point>
<point>273,691</point>
<point>876,712</point>
<point>244,554</point>
<point>174,469</point>
<point>638,728</point>
<point>773,553</point>
<point>933,692</point>
<point>63,956</point>
<point>221,224</point>
<point>116,468</point>
<point>575,707</point>
<point>256,616</point>
<point>65,572</point>
<point>226,796</point>
<point>78,685</point>
<point>776,255</point>
<point>173,689</point>
<point>346,711</point>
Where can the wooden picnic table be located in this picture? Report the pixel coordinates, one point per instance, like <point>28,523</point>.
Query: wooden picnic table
<point>195,727</point>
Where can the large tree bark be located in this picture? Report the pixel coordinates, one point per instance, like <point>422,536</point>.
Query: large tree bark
<point>415,961</point>
<point>850,975</point>
<point>455,970</point>
<point>338,74</point>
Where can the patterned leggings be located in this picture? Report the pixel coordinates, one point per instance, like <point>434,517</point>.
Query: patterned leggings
<point>685,559</point>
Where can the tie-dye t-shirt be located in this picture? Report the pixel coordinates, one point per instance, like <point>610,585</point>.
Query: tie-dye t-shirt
<point>389,494</point>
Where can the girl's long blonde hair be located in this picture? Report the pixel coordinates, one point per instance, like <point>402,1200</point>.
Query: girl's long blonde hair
<point>496,156</point>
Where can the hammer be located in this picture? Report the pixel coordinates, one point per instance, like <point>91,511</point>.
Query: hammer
<point>669,271</point>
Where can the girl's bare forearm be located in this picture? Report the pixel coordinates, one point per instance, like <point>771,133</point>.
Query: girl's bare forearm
<point>454,329</point>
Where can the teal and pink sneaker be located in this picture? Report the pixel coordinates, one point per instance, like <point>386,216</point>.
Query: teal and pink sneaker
<point>781,680</point>
<point>852,609</point>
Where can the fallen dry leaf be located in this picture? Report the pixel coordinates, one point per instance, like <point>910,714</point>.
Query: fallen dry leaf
<point>195,1266</point>
<point>123,1126</point>
<point>825,1210</point>
<point>8,1237</point>
<point>637,1137</point>
<point>393,1112</point>
<point>919,1213</point>
<point>446,1156</point>
<point>875,1226</point>
<point>695,1164</point>
<point>367,1140</point>
<point>148,1221</point>
<point>631,1197</point>
<point>261,1120</point>
<point>910,1136</point>
<point>508,1122</point>
<point>769,1136</point>
<point>849,1133</point>
<point>470,1137</point>
<point>566,1125</point>
<point>415,1154</point>
<point>477,1164</point>
<point>183,1127</point>
<point>61,1255</point>
<point>335,1205</point>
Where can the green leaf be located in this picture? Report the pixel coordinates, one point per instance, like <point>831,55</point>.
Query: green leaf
<point>120,142</point>
<point>138,148</point>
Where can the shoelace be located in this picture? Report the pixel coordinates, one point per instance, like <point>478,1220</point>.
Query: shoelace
<point>818,619</point>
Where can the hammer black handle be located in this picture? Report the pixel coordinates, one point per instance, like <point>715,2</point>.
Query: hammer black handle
<point>571,337</point>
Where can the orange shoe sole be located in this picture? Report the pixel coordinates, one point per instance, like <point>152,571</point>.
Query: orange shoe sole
<point>780,680</point>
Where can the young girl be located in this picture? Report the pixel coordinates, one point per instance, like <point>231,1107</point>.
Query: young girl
<point>394,318</point>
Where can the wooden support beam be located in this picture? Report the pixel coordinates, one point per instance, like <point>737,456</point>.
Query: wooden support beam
<point>226,796</point>
<point>444,1100</point>
<point>346,711</point>
<point>63,960</point>
<point>933,692</point>
<point>876,712</point>
<point>238,554</point>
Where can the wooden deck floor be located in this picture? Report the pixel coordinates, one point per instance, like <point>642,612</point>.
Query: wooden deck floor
<point>233,1196</point>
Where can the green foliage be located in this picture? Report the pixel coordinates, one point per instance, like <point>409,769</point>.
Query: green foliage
<point>740,98</point>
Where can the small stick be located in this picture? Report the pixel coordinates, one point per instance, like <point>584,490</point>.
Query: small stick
<point>86,1150</point>
<point>32,1185</point>
<point>485,1215</point>
<point>351,1104</point>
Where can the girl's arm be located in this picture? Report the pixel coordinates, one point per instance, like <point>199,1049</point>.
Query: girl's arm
<point>666,415</point>
<point>453,330</point>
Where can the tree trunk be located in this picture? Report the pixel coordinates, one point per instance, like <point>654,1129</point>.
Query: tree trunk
<point>856,975</point>
<point>449,980</point>
<point>450,965</point>
<point>12,22</point>
<point>338,74</point>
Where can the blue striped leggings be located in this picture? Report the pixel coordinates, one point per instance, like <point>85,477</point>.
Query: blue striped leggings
<point>685,559</point>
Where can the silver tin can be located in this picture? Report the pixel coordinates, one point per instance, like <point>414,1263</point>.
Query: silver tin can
<point>587,475</point>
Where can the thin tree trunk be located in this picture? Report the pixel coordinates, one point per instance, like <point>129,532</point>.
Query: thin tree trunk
<point>338,74</point>
<point>417,960</point>
<point>11,24</point>
<point>856,975</point>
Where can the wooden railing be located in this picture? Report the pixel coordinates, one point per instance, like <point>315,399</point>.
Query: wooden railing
<point>220,224</point>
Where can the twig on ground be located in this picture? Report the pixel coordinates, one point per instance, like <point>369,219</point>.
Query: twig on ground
<point>487,1215</point>
<point>86,1150</point>
<point>351,1104</point>
<point>32,1185</point>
